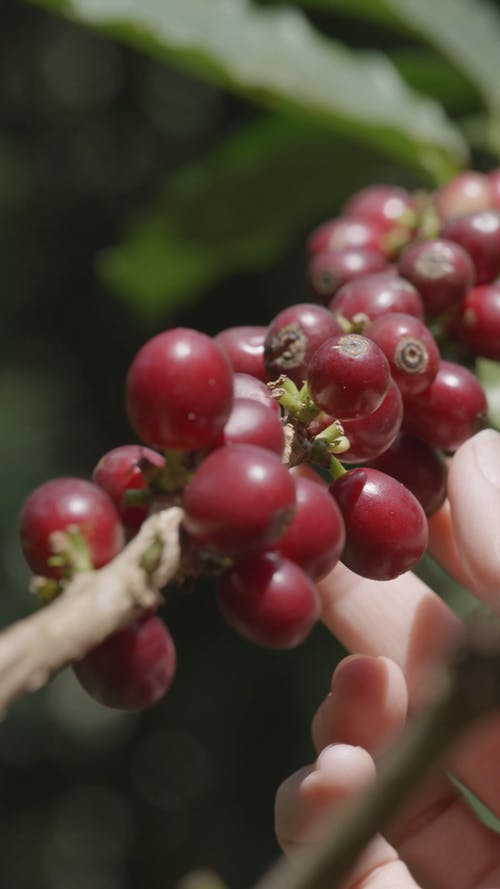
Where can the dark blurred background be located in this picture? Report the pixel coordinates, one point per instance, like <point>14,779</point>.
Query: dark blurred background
<point>134,197</point>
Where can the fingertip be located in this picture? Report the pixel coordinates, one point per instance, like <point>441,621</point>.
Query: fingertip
<point>339,773</point>
<point>367,706</point>
<point>343,767</point>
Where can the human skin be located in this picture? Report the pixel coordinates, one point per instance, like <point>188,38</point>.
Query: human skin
<point>398,632</point>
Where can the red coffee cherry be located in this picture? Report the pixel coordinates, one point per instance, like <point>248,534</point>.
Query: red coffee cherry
<point>441,270</point>
<point>479,235</point>
<point>244,347</point>
<point>451,410</point>
<point>418,467</point>
<point>371,435</point>
<point>250,422</point>
<point>119,471</point>
<point>478,321</point>
<point>239,500</point>
<point>345,233</point>
<point>132,669</point>
<point>348,376</point>
<point>386,528</point>
<point>469,192</point>
<point>269,600</point>
<point>247,386</point>
<point>65,503</point>
<point>315,538</point>
<point>328,270</point>
<point>377,294</point>
<point>410,349</point>
<point>293,337</point>
<point>494,180</point>
<point>179,390</point>
<point>387,205</point>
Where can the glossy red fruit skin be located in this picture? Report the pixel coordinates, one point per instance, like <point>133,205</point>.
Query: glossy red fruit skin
<point>479,235</point>
<point>370,436</point>
<point>251,422</point>
<point>348,376</point>
<point>450,411</point>
<point>239,500</point>
<point>377,294</point>
<point>247,386</point>
<point>494,179</point>
<point>244,347</point>
<point>315,538</point>
<point>386,528</point>
<point>60,504</point>
<point>478,321</point>
<point>410,349</point>
<point>117,472</point>
<point>293,337</point>
<point>269,600</point>
<point>132,669</point>
<point>418,467</point>
<point>345,232</point>
<point>328,270</point>
<point>179,390</point>
<point>387,205</point>
<point>469,192</point>
<point>441,270</point>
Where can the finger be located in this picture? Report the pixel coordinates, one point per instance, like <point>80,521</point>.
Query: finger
<point>390,874</point>
<point>491,880</point>
<point>366,707</point>
<point>475,761</point>
<point>401,619</point>
<point>363,691</point>
<point>474,493</point>
<point>453,851</point>
<point>437,833</point>
<point>443,546</point>
<point>340,772</point>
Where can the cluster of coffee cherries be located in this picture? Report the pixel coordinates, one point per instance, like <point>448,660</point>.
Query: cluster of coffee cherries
<point>352,384</point>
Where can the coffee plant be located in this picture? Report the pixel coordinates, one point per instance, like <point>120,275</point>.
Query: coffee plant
<point>311,435</point>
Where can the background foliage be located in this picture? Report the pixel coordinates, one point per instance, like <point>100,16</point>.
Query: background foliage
<point>160,163</point>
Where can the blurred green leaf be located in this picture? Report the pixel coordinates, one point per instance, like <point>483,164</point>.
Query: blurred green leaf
<point>477,130</point>
<point>233,210</point>
<point>276,58</point>
<point>488,373</point>
<point>430,73</point>
<point>465,31</point>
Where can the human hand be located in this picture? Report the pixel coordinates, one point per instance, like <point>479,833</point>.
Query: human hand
<point>400,630</point>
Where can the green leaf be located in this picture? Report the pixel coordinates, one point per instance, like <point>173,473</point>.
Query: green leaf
<point>481,811</point>
<point>235,209</point>
<point>465,31</point>
<point>276,58</point>
<point>488,372</point>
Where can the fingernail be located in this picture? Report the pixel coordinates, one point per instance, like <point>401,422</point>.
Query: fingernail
<point>486,450</point>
